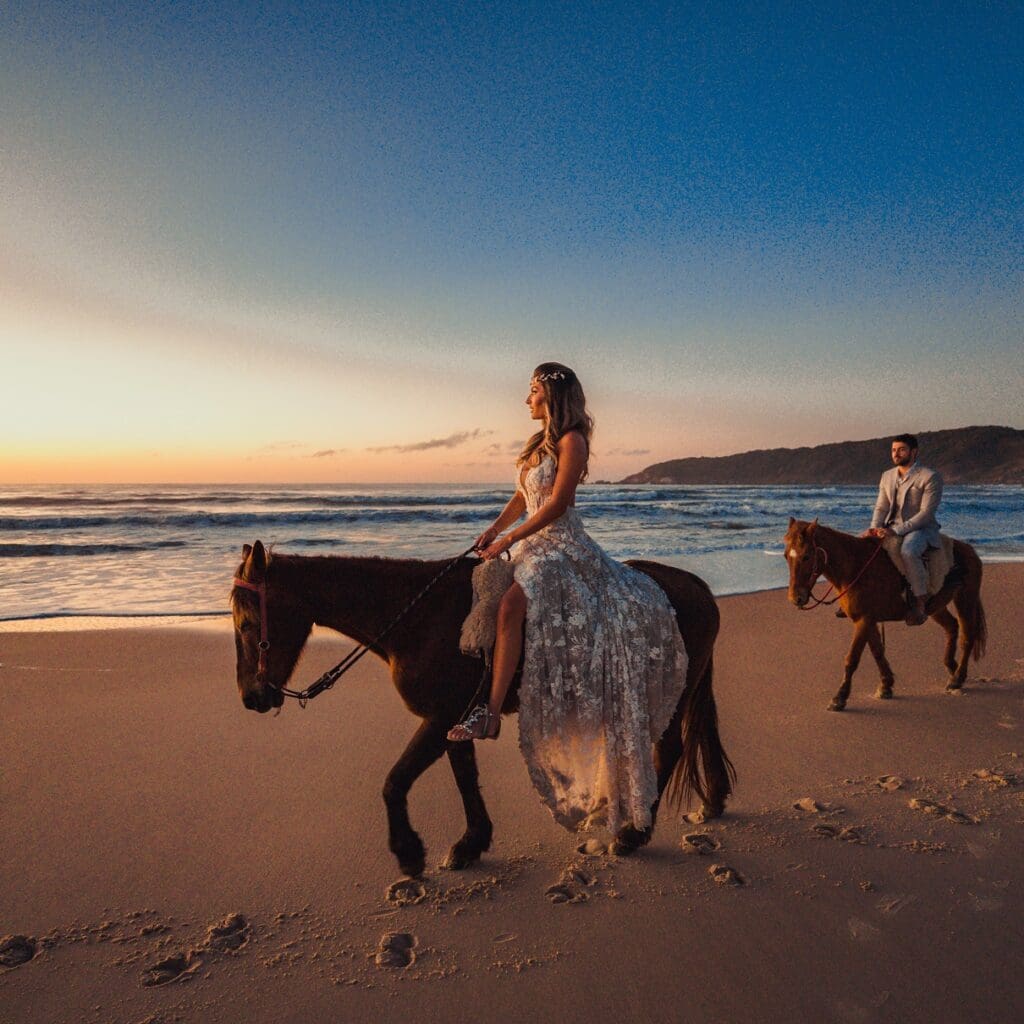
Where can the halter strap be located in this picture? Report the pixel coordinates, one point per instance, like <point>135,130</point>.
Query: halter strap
<point>264,641</point>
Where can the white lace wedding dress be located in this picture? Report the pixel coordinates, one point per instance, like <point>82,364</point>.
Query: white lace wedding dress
<point>604,668</point>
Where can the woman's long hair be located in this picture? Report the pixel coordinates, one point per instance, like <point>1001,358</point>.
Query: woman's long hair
<point>567,410</point>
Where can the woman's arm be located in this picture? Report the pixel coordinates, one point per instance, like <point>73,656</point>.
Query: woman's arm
<point>572,457</point>
<point>510,513</point>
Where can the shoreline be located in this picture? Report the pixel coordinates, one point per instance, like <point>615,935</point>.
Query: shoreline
<point>58,622</point>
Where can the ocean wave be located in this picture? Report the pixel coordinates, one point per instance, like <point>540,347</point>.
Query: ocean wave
<point>366,499</point>
<point>73,550</point>
<point>251,520</point>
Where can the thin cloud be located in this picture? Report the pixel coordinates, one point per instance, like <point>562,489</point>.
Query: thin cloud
<point>279,446</point>
<point>451,441</point>
<point>326,453</point>
<point>627,451</point>
<point>509,448</point>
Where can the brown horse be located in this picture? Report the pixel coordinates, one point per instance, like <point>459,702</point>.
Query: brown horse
<point>360,596</point>
<point>870,590</point>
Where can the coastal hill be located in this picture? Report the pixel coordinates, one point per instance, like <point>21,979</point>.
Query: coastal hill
<point>967,455</point>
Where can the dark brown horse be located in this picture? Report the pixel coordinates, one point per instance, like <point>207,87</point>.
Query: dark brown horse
<point>870,590</point>
<point>360,596</point>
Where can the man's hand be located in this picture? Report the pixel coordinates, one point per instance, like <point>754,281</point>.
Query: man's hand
<point>881,532</point>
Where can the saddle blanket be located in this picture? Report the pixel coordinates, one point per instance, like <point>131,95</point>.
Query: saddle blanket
<point>490,581</point>
<point>938,561</point>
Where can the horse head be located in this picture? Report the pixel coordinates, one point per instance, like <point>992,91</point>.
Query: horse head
<point>271,627</point>
<point>805,559</point>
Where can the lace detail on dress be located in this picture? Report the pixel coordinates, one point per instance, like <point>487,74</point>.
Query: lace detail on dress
<point>604,669</point>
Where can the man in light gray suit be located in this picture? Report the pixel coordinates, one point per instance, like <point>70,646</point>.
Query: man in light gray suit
<point>908,497</point>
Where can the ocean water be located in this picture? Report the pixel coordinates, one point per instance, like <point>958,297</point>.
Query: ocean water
<point>171,550</point>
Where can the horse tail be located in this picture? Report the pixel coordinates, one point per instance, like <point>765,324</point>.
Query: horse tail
<point>704,768</point>
<point>980,630</point>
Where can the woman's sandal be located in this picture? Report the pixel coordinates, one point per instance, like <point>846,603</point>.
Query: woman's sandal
<point>476,725</point>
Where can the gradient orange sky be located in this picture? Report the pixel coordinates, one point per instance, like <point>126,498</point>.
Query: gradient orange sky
<point>218,264</point>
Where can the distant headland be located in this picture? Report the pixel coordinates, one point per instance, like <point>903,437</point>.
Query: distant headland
<point>966,455</point>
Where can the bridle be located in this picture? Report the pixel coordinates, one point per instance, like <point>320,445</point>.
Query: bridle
<point>264,641</point>
<point>331,676</point>
<point>816,572</point>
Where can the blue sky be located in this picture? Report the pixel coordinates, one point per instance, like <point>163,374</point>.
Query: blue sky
<point>745,226</point>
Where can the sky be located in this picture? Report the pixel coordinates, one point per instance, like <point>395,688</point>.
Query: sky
<point>329,242</point>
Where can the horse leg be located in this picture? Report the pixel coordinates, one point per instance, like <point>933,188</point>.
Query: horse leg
<point>860,638</point>
<point>966,611</point>
<point>952,629</point>
<point>477,837</point>
<point>884,691</point>
<point>667,752</point>
<point>426,746</point>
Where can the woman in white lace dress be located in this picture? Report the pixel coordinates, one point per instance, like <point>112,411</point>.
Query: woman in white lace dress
<point>604,664</point>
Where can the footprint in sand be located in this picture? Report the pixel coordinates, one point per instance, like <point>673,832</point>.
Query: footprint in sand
<point>563,893</point>
<point>406,892</point>
<point>849,834</point>
<point>722,874</point>
<point>994,780</point>
<point>592,848</point>
<point>941,811</point>
<point>809,805</point>
<point>16,950</point>
<point>572,886</point>
<point>889,783</point>
<point>232,933</point>
<point>396,950</point>
<point>699,843</point>
<point>181,966</point>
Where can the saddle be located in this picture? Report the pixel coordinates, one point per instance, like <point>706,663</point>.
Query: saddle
<point>939,562</point>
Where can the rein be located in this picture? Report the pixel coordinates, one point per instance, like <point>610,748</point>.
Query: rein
<point>331,676</point>
<point>819,601</point>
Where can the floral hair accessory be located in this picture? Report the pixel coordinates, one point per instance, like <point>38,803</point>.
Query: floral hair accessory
<point>555,375</point>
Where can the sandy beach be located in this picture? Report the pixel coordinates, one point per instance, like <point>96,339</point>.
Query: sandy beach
<point>171,857</point>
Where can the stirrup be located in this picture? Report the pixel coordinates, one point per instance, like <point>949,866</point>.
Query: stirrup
<point>477,724</point>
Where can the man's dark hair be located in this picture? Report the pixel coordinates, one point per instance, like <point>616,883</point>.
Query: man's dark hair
<point>908,439</point>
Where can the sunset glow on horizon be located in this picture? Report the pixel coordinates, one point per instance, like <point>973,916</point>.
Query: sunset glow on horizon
<point>329,245</point>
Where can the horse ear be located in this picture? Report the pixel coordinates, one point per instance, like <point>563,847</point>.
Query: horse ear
<point>255,564</point>
<point>246,551</point>
<point>791,522</point>
<point>811,527</point>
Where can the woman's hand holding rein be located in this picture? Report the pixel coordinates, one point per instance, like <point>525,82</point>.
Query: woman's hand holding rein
<point>486,539</point>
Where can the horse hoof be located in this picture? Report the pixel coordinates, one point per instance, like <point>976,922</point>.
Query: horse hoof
<point>459,859</point>
<point>630,839</point>
<point>706,813</point>
<point>883,694</point>
<point>837,705</point>
<point>413,866</point>
<point>952,686</point>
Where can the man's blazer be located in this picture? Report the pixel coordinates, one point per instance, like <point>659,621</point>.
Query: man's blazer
<point>912,506</point>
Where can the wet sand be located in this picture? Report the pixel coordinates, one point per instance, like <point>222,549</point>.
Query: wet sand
<point>168,856</point>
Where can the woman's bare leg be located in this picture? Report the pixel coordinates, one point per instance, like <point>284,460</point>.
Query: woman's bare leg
<point>508,645</point>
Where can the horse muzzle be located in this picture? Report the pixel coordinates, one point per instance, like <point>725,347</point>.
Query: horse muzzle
<point>265,699</point>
